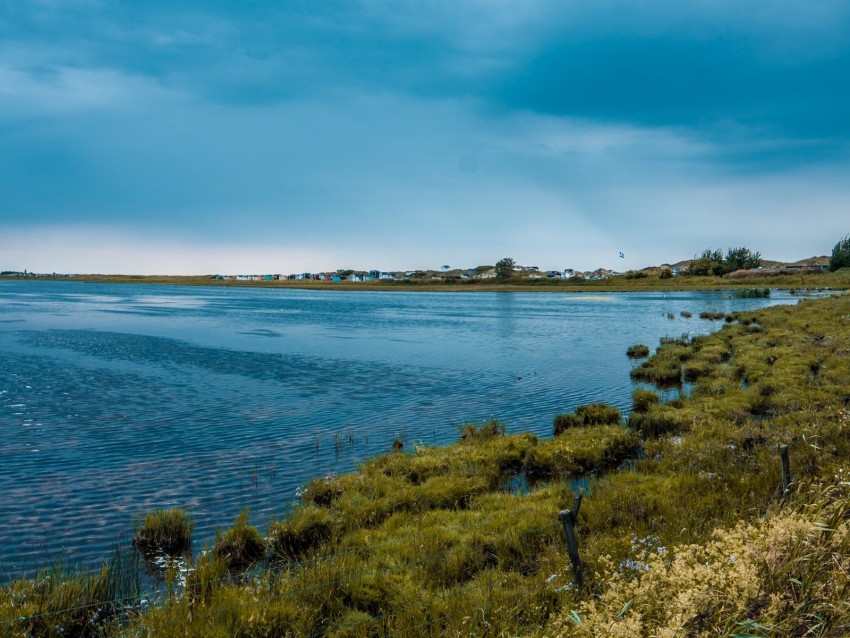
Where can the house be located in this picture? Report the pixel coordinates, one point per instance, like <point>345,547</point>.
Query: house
<point>569,272</point>
<point>554,274</point>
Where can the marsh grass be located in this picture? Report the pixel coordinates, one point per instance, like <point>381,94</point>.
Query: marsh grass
<point>61,602</point>
<point>239,546</point>
<point>637,351</point>
<point>166,531</point>
<point>586,415</point>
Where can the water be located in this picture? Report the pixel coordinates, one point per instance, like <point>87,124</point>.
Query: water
<point>119,399</point>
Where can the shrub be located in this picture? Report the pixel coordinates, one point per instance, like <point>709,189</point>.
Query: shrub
<point>665,273</point>
<point>169,531</point>
<point>637,351</point>
<point>241,546</point>
<point>840,254</point>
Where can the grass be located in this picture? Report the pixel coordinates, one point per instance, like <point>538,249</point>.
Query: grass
<point>587,415</point>
<point>240,546</point>
<point>637,351</point>
<point>436,542</point>
<point>166,531</point>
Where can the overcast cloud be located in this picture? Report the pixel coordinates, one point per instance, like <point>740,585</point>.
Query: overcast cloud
<point>196,137</point>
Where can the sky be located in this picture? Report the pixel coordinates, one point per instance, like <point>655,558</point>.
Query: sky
<point>199,137</point>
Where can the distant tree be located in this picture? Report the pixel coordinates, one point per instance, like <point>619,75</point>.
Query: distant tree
<point>713,262</point>
<point>709,263</point>
<point>505,268</point>
<point>741,258</point>
<point>840,254</point>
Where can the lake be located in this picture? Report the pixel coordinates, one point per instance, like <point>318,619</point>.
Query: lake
<point>119,399</point>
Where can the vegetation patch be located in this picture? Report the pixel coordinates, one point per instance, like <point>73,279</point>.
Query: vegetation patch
<point>587,415</point>
<point>240,546</point>
<point>753,293</point>
<point>166,531</point>
<point>637,351</point>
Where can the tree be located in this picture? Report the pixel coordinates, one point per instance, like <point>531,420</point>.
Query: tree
<point>840,254</point>
<point>505,268</point>
<point>709,263</point>
<point>741,259</point>
<point>712,262</point>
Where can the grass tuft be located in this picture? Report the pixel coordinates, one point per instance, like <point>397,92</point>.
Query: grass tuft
<point>168,531</point>
<point>240,546</point>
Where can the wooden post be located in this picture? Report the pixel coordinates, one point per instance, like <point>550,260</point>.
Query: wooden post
<point>568,519</point>
<point>786,470</point>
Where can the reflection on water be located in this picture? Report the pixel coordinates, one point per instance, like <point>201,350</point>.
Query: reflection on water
<point>115,400</point>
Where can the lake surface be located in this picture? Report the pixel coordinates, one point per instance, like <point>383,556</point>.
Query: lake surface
<point>119,399</point>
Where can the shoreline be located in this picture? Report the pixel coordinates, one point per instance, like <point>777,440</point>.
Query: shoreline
<point>839,280</point>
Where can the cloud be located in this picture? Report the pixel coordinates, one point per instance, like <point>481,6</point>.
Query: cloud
<point>431,133</point>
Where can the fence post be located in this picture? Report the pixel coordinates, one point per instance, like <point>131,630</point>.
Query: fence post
<point>568,519</point>
<point>786,470</point>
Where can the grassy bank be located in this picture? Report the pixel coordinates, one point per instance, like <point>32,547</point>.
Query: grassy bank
<point>684,529</point>
<point>839,280</point>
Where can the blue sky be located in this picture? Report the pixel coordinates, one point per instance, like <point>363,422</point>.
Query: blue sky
<point>182,137</point>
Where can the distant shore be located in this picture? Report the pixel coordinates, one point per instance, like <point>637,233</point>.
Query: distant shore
<point>791,281</point>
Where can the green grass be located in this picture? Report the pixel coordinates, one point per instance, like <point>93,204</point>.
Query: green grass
<point>637,351</point>
<point>166,531</point>
<point>240,546</point>
<point>586,415</point>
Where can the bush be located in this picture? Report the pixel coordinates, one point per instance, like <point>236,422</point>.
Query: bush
<point>637,351</point>
<point>666,273</point>
<point>169,531</point>
<point>840,254</point>
<point>241,546</point>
